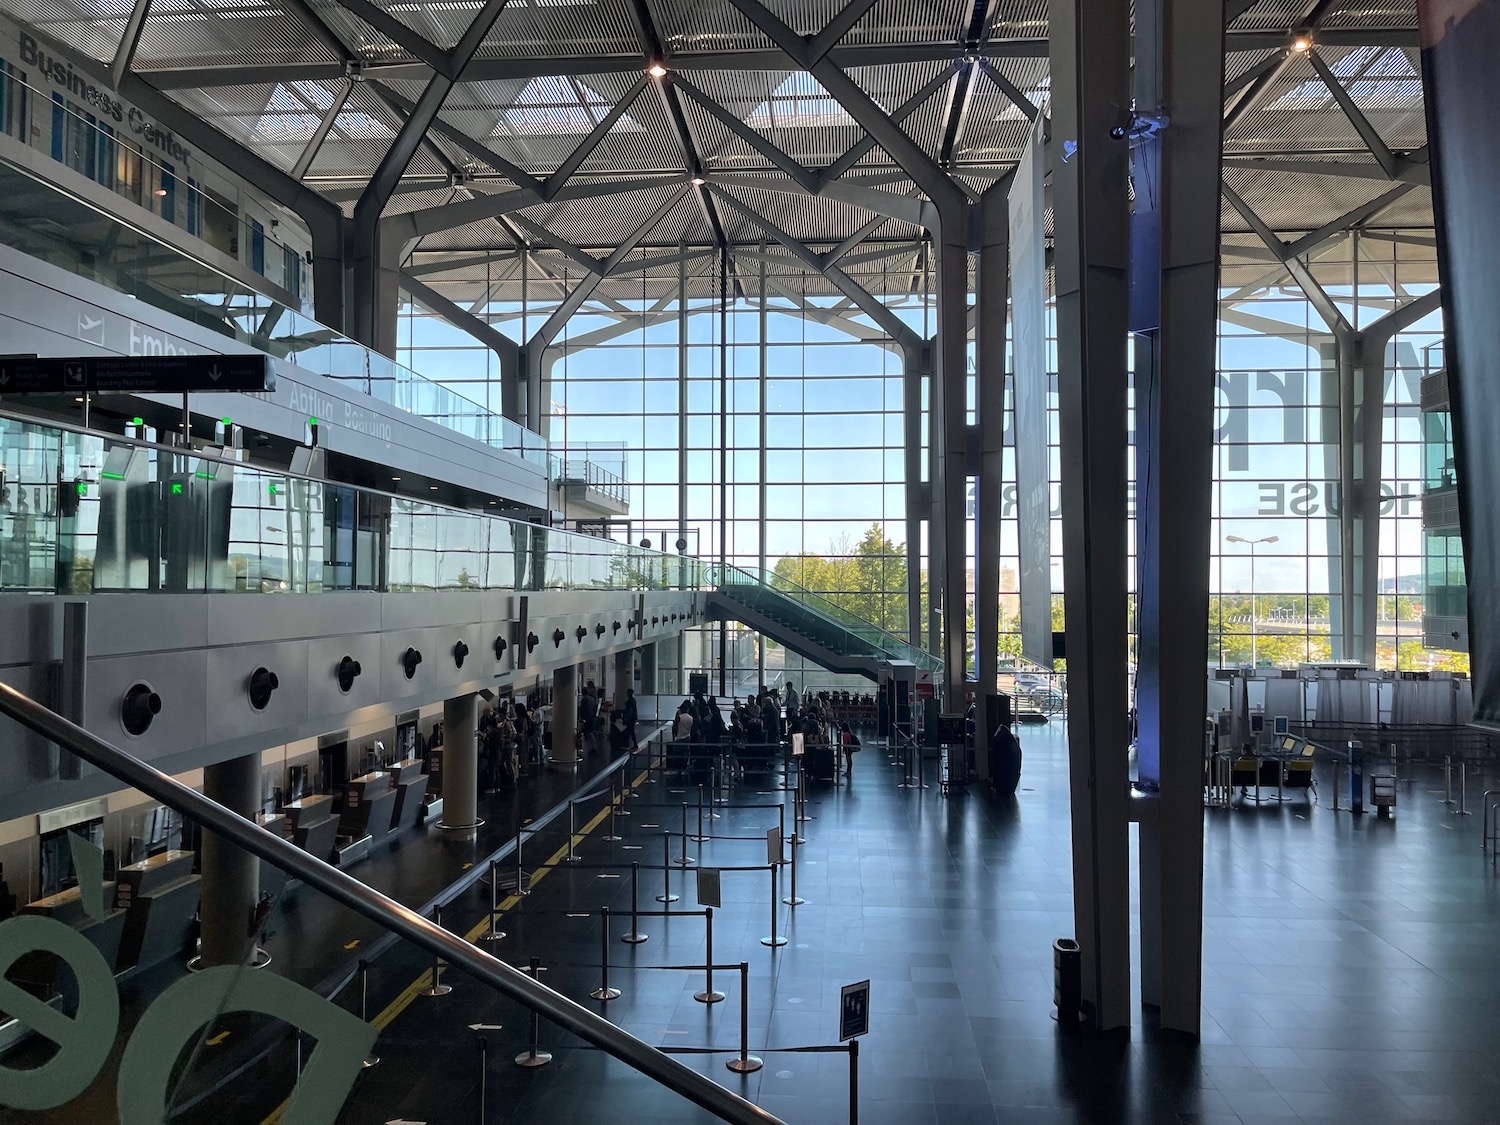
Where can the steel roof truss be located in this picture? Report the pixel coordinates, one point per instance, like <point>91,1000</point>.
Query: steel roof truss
<point>1367,132</point>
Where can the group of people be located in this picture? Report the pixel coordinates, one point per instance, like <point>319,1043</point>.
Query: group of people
<point>764,720</point>
<point>510,744</point>
<point>601,726</point>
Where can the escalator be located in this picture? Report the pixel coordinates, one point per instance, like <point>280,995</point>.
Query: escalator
<point>812,625</point>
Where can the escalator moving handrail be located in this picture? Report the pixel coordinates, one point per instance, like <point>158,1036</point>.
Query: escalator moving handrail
<point>510,982</point>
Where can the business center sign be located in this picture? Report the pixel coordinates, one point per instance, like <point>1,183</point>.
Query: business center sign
<point>102,100</point>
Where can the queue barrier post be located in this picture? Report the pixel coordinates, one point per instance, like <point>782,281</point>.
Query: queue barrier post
<point>437,987</point>
<point>364,1007</point>
<point>666,868</point>
<point>494,933</point>
<point>634,937</point>
<point>774,941</point>
<point>854,1082</point>
<point>709,995</point>
<point>614,837</point>
<point>572,856</point>
<point>746,1063</point>
<point>685,860</point>
<point>531,1057</point>
<point>484,1073</point>
<point>792,899</point>
<point>604,992</point>
<point>521,891</point>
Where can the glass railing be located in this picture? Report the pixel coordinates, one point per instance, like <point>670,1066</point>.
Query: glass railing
<point>321,998</point>
<point>113,149</point>
<point>82,512</point>
<point>577,470</point>
<point>817,617</point>
<point>44,221</point>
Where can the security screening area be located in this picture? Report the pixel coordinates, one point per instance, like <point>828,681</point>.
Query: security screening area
<point>675,561</point>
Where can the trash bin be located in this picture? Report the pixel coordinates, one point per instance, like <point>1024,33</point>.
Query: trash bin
<point>1067,981</point>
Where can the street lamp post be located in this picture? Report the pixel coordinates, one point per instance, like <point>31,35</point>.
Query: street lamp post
<point>1252,544</point>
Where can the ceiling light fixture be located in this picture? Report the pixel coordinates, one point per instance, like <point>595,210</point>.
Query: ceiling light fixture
<point>1302,44</point>
<point>160,193</point>
<point>698,181</point>
<point>656,70</point>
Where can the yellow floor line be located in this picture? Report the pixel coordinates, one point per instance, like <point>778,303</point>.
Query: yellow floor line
<point>408,994</point>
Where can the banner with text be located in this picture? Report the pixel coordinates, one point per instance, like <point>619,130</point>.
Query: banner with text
<point>1028,288</point>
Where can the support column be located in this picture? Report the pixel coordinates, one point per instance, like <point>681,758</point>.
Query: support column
<point>989,351</point>
<point>231,875</point>
<point>1370,357</point>
<point>512,366</point>
<point>1179,63</point>
<point>915,363</point>
<point>950,426</point>
<point>1090,47</point>
<point>534,365</point>
<point>1360,366</point>
<point>648,668</point>
<point>375,296</point>
<point>460,763</point>
<point>328,278</point>
<point>564,717</point>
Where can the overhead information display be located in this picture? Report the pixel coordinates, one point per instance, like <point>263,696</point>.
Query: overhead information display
<point>146,374</point>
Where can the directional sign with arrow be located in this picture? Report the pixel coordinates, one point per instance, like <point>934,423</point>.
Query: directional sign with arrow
<point>486,1027</point>
<point>217,1039</point>
<point>146,374</point>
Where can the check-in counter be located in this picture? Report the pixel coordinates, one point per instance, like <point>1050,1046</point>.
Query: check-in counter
<point>368,803</point>
<point>410,784</point>
<point>272,878</point>
<point>37,972</point>
<point>314,828</point>
<point>159,896</point>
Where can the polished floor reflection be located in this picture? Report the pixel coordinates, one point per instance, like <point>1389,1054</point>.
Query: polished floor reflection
<point>1350,972</point>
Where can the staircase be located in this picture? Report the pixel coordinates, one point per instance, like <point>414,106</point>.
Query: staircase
<point>812,626</point>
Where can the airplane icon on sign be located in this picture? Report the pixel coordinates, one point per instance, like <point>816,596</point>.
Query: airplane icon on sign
<point>91,328</point>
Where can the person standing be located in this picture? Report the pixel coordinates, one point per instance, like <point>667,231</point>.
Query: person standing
<point>682,727</point>
<point>793,701</point>
<point>632,715</point>
<point>849,744</point>
<point>588,711</point>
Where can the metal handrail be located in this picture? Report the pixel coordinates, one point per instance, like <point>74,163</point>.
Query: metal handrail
<point>385,912</point>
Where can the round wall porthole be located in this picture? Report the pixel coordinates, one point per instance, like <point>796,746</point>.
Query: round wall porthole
<point>139,708</point>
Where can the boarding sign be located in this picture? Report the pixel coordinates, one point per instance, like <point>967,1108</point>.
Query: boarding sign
<point>136,374</point>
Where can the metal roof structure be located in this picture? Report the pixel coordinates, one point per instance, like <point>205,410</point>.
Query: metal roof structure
<point>570,129</point>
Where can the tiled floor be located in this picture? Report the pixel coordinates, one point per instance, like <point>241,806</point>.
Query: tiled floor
<point>1351,973</point>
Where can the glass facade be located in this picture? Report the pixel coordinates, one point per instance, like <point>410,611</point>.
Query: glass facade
<point>772,429</point>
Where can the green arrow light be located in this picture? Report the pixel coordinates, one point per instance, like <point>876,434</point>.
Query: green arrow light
<point>176,488</point>
<point>271,488</point>
<point>83,488</point>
